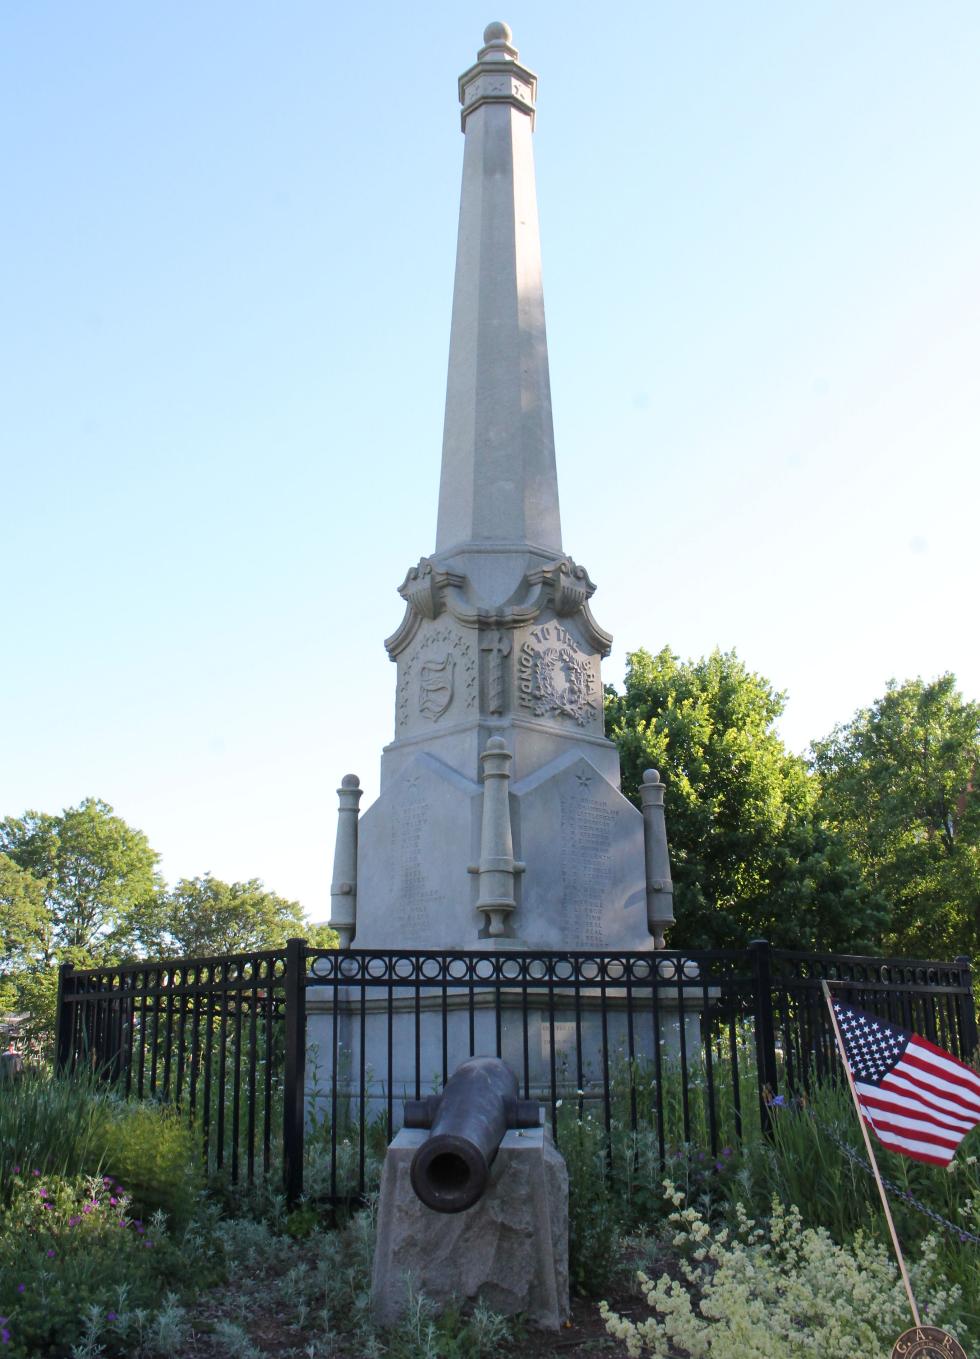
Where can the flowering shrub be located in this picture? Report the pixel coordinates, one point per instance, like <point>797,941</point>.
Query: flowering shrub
<point>777,1291</point>
<point>74,1259</point>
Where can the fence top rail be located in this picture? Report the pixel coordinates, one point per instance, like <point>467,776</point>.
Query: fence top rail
<point>253,959</point>
<point>456,967</point>
<point>876,960</point>
<point>394,968</point>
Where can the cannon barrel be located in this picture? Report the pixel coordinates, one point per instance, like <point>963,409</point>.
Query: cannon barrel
<point>451,1169</point>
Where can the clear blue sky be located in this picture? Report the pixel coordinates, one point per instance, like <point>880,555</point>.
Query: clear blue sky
<point>228,239</point>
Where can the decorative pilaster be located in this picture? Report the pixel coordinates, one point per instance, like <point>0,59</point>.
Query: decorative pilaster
<point>660,889</point>
<point>343,889</point>
<point>497,867</point>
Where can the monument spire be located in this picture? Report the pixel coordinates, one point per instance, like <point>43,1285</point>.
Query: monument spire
<point>500,821</point>
<point>499,484</point>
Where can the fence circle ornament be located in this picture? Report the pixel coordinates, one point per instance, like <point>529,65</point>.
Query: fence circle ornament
<point>927,1342</point>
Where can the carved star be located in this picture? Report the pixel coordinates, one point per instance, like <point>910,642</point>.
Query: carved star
<point>584,780</point>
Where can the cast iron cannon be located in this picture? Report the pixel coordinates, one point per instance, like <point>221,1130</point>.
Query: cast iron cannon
<point>451,1169</point>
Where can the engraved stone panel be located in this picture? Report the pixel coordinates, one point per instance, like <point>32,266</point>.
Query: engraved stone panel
<point>437,679</point>
<point>558,679</point>
<point>411,893</point>
<point>582,843</point>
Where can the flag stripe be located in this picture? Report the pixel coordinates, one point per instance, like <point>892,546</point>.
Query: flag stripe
<point>909,1147</point>
<point>904,1089</point>
<point>887,1118</point>
<point>950,1064</point>
<point>883,1098</point>
<point>928,1073</point>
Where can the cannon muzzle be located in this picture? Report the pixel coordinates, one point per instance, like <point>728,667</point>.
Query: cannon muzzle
<point>451,1169</point>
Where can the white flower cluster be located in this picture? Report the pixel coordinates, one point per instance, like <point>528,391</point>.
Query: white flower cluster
<point>777,1290</point>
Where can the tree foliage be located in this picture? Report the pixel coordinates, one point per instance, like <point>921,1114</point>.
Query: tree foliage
<point>203,916</point>
<point>900,784</point>
<point>82,887</point>
<point>750,855</point>
<point>90,871</point>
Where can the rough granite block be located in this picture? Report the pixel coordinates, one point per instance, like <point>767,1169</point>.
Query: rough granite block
<point>510,1250</point>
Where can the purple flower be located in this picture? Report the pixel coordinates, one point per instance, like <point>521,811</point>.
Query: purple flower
<point>726,1151</point>
<point>49,1205</point>
<point>139,1226</point>
<point>113,1202</point>
<point>4,1334</point>
<point>122,1222</point>
<point>22,1288</point>
<point>50,1254</point>
<point>16,1170</point>
<point>36,1174</point>
<point>74,1221</point>
<point>778,1099</point>
<point>86,1207</point>
<point>147,1243</point>
<point>719,1165</point>
<point>111,1316</point>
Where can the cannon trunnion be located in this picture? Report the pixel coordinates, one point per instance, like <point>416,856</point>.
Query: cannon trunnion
<point>451,1169</point>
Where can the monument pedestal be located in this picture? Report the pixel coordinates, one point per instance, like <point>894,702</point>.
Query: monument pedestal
<point>509,1251</point>
<point>405,1043</point>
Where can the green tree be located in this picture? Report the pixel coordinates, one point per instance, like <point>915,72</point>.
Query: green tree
<point>94,871</point>
<point>70,890</point>
<point>25,942</point>
<point>899,783</point>
<point>750,856</point>
<point>204,916</point>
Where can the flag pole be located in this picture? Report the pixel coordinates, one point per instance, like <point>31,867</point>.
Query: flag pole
<point>871,1155</point>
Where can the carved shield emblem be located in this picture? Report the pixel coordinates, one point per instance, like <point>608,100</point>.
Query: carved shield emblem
<point>436,686</point>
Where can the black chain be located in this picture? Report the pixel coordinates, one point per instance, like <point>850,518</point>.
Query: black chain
<point>857,1159</point>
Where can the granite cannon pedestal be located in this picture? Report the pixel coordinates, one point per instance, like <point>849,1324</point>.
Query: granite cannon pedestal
<point>509,1251</point>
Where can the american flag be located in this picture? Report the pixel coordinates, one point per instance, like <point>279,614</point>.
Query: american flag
<point>920,1100</point>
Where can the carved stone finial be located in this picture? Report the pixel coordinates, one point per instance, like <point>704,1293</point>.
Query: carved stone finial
<point>350,781</point>
<point>497,32</point>
<point>651,776</point>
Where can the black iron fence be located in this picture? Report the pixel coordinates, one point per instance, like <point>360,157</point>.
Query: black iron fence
<point>283,1057</point>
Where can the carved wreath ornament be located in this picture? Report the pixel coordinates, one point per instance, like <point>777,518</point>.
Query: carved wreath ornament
<point>555,681</point>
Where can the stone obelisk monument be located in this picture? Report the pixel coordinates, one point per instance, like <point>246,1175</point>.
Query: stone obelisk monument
<point>500,821</point>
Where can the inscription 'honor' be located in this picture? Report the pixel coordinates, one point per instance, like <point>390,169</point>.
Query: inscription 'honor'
<point>556,678</point>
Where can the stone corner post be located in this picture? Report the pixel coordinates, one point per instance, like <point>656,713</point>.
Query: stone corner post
<point>660,889</point>
<point>343,888</point>
<point>497,868</point>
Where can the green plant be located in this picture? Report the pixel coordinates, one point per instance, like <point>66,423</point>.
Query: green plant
<point>78,1269</point>
<point>52,1124</point>
<point>804,1162</point>
<point>780,1289</point>
<point>594,1223</point>
<point>73,1125</point>
<point>152,1152</point>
